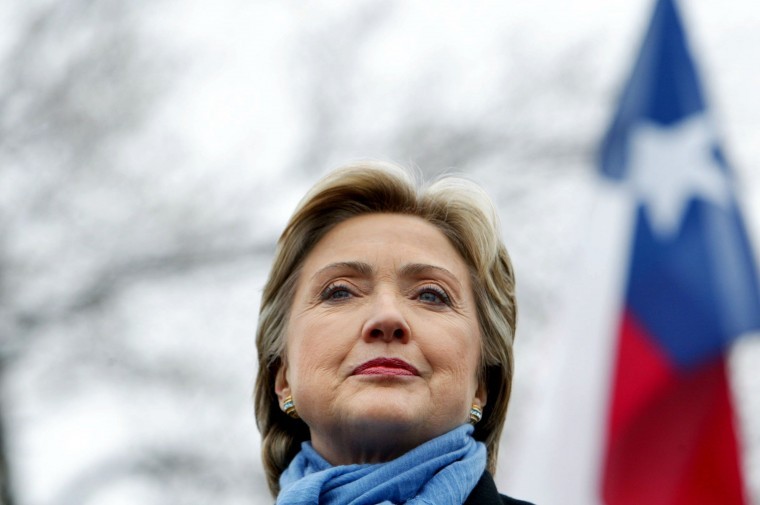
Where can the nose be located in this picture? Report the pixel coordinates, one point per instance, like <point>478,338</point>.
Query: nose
<point>386,321</point>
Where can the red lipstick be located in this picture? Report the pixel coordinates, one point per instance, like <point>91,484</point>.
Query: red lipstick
<point>386,366</point>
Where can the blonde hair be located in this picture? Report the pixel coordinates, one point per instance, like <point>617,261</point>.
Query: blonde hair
<point>465,215</point>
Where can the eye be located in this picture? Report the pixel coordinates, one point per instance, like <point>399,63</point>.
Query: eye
<point>434,295</point>
<point>335,292</point>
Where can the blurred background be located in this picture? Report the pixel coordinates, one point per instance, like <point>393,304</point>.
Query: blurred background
<point>151,151</point>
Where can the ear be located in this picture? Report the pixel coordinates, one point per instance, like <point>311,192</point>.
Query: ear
<point>481,394</point>
<point>281,385</point>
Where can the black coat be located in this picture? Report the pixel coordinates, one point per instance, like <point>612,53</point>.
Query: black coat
<point>485,493</point>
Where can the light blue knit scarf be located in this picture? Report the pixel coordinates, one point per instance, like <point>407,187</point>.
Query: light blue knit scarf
<point>442,471</point>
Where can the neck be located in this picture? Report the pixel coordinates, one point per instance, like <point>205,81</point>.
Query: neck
<point>367,443</point>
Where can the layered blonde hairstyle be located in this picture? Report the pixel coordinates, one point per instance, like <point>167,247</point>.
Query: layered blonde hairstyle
<point>465,215</point>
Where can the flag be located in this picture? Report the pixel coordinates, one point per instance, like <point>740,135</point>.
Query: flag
<point>639,409</point>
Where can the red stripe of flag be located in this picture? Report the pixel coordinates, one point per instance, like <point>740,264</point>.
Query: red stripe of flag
<point>671,438</point>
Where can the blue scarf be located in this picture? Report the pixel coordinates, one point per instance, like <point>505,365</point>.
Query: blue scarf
<point>442,471</point>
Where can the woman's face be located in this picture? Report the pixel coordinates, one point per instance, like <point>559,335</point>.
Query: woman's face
<point>383,343</point>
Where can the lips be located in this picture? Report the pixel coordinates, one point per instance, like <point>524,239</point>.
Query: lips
<point>386,366</point>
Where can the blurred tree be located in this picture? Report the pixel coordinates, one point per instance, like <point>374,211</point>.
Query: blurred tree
<point>77,221</point>
<point>6,494</point>
<point>67,98</point>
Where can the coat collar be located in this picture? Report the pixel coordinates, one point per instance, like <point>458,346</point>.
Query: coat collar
<point>485,493</point>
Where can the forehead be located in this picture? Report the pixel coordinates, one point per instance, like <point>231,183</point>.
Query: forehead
<point>381,238</point>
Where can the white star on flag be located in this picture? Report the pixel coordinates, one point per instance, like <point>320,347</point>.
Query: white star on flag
<point>670,165</point>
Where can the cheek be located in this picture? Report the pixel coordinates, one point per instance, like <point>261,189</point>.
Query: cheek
<point>316,347</point>
<point>459,355</point>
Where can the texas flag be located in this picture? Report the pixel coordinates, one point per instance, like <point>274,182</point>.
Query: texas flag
<point>637,408</point>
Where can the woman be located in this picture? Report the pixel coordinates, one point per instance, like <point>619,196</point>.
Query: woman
<point>385,344</point>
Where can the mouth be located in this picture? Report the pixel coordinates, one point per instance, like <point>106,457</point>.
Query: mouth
<point>386,366</point>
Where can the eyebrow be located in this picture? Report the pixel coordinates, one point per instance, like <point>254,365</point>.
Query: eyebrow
<point>366,270</point>
<point>415,269</point>
<point>363,269</point>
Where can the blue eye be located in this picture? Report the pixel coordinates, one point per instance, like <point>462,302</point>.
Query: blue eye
<point>335,292</point>
<point>434,295</point>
